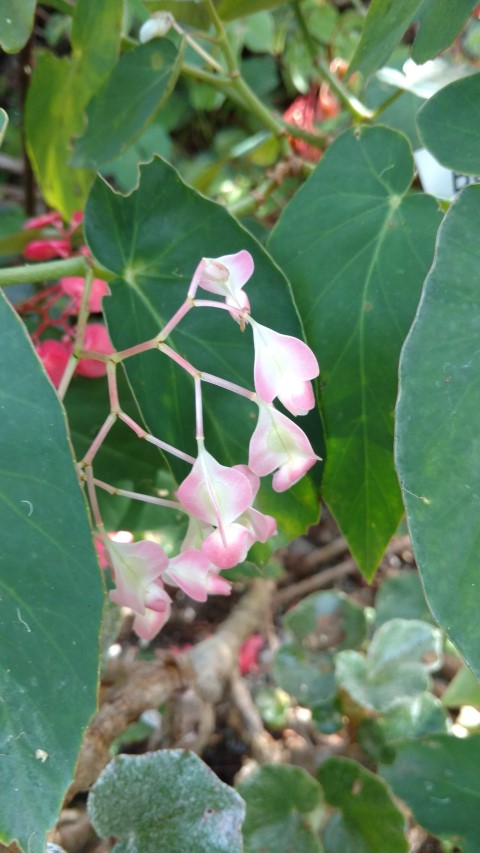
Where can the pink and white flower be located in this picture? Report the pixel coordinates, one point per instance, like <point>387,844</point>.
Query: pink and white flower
<point>147,625</point>
<point>194,574</point>
<point>137,568</point>
<point>54,356</point>
<point>278,443</point>
<point>214,493</point>
<point>226,276</point>
<point>283,367</point>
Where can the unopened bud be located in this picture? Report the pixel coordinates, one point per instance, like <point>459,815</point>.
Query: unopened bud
<point>156,26</point>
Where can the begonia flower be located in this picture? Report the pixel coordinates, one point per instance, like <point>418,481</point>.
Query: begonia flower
<point>226,276</point>
<point>52,218</point>
<point>97,340</point>
<point>44,250</point>
<point>194,574</point>
<point>214,493</point>
<point>148,624</point>
<point>249,652</point>
<point>283,367</point>
<point>73,286</point>
<point>278,443</point>
<point>136,567</point>
<point>54,356</point>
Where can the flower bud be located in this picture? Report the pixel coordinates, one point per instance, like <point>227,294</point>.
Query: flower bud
<point>156,26</point>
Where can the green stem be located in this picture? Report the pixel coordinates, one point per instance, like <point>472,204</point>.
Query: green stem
<point>34,273</point>
<point>387,102</point>
<point>223,41</point>
<point>359,111</point>
<point>203,76</point>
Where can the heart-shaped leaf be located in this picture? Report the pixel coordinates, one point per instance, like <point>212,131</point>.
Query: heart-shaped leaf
<point>448,124</point>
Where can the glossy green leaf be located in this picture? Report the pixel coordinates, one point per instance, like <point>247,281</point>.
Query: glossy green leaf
<point>448,125</point>
<point>231,9</point>
<point>369,820</point>
<point>127,102</point>
<point>184,11</point>
<point>51,598</point>
<point>437,451</point>
<point>397,663</point>
<point>284,810</point>
<point>16,23</point>
<point>440,22</point>
<point>385,24</point>
<point>167,800</point>
<point>414,717</point>
<point>464,689</point>
<point>356,248</point>
<point>437,777</point>
<point>155,238</point>
<point>58,94</point>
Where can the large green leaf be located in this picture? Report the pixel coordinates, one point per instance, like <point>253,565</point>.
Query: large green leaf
<point>440,21</point>
<point>438,454</point>
<point>356,247</point>
<point>448,124</point>
<point>369,821</point>
<point>127,102</point>
<point>50,597</point>
<point>155,238</point>
<point>167,800</point>
<point>16,22</point>
<point>438,779</point>
<point>230,9</point>
<point>58,94</point>
<point>284,810</point>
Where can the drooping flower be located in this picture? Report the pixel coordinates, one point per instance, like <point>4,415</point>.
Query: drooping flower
<point>73,286</point>
<point>214,493</point>
<point>194,574</point>
<point>96,340</point>
<point>44,250</point>
<point>283,368</point>
<point>44,219</point>
<point>136,567</point>
<point>54,356</point>
<point>147,625</point>
<point>278,443</point>
<point>226,276</point>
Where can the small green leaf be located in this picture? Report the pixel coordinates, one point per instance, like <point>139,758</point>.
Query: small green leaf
<point>369,820</point>
<point>448,125</point>
<point>184,11</point>
<point>139,84</point>
<point>167,800</point>
<point>327,620</point>
<point>3,125</point>
<point>231,9</point>
<point>16,23</point>
<point>308,676</point>
<point>414,717</point>
<point>437,777</point>
<point>384,27</point>
<point>437,456</point>
<point>399,658</point>
<point>58,94</point>
<point>284,810</point>
<point>440,22</point>
<point>401,596</point>
<point>50,596</point>
<point>356,247</point>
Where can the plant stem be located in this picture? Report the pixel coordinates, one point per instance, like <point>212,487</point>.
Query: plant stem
<point>223,41</point>
<point>35,273</point>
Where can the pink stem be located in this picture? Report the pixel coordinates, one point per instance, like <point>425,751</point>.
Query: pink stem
<point>140,433</point>
<point>179,360</point>
<point>99,438</point>
<point>230,386</point>
<point>179,315</point>
<point>125,493</point>
<point>112,387</point>
<point>138,430</point>
<point>93,496</point>
<point>136,350</point>
<point>198,409</point>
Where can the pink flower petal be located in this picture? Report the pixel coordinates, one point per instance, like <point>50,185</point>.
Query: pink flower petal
<point>135,566</point>
<point>226,276</point>
<point>97,340</point>
<point>277,442</point>
<point>53,218</point>
<point>227,552</point>
<point>213,492</point>
<point>148,625</point>
<point>73,286</point>
<point>189,571</point>
<point>44,250</point>
<point>248,654</point>
<point>283,367</point>
<point>54,356</point>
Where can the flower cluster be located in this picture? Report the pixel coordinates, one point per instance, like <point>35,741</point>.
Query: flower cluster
<point>219,500</point>
<point>58,305</point>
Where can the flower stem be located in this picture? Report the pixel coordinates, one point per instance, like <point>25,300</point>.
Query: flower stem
<point>35,273</point>
<point>137,496</point>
